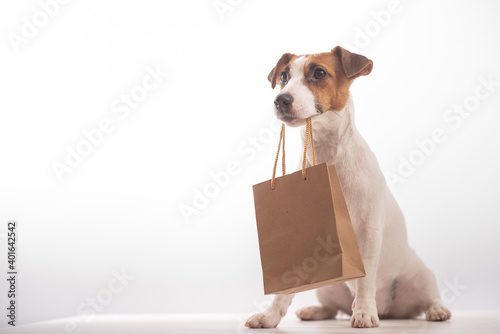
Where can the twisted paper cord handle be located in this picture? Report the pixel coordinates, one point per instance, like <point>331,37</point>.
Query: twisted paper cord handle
<point>309,134</point>
<point>282,140</point>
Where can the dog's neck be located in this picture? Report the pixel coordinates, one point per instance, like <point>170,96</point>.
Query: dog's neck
<point>334,133</point>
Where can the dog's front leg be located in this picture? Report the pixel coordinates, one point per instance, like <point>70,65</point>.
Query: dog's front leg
<point>272,316</point>
<point>364,306</point>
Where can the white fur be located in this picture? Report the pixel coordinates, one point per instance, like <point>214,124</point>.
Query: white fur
<point>380,230</point>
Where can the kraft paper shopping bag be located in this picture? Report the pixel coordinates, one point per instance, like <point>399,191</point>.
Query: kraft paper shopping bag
<point>305,233</point>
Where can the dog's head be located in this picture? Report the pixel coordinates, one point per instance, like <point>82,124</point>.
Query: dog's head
<point>314,84</point>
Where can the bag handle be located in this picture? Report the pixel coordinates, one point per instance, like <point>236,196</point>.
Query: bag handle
<point>309,133</point>
<point>282,140</point>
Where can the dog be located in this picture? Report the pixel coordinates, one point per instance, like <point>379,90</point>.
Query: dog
<point>397,284</point>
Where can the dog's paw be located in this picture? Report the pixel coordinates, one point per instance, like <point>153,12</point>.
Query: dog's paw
<point>264,320</point>
<point>364,317</point>
<point>437,312</point>
<point>315,313</point>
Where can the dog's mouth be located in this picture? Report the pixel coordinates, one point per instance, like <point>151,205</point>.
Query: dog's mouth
<point>286,117</point>
<point>291,120</point>
<point>289,117</point>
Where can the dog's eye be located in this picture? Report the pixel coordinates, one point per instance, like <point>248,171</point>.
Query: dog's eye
<point>284,77</point>
<point>319,74</point>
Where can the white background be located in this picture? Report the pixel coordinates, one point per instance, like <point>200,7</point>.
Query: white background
<point>120,208</point>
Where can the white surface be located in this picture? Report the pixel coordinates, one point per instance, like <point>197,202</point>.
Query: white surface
<point>120,207</point>
<point>461,323</point>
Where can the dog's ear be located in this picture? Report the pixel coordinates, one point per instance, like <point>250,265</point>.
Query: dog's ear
<point>354,65</point>
<point>276,71</point>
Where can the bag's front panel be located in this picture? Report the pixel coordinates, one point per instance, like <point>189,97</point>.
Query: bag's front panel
<point>297,230</point>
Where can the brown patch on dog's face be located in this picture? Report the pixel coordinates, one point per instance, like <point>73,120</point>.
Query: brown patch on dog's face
<point>275,73</point>
<point>327,81</point>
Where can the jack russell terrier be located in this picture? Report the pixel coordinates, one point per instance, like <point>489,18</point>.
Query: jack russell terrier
<point>397,284</point>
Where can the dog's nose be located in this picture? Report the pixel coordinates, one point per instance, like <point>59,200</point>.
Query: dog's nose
<point>283,102</point>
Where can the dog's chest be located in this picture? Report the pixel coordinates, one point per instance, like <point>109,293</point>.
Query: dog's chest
<point>355,181</point>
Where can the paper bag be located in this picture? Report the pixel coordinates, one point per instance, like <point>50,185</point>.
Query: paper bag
<point>305,233</point>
